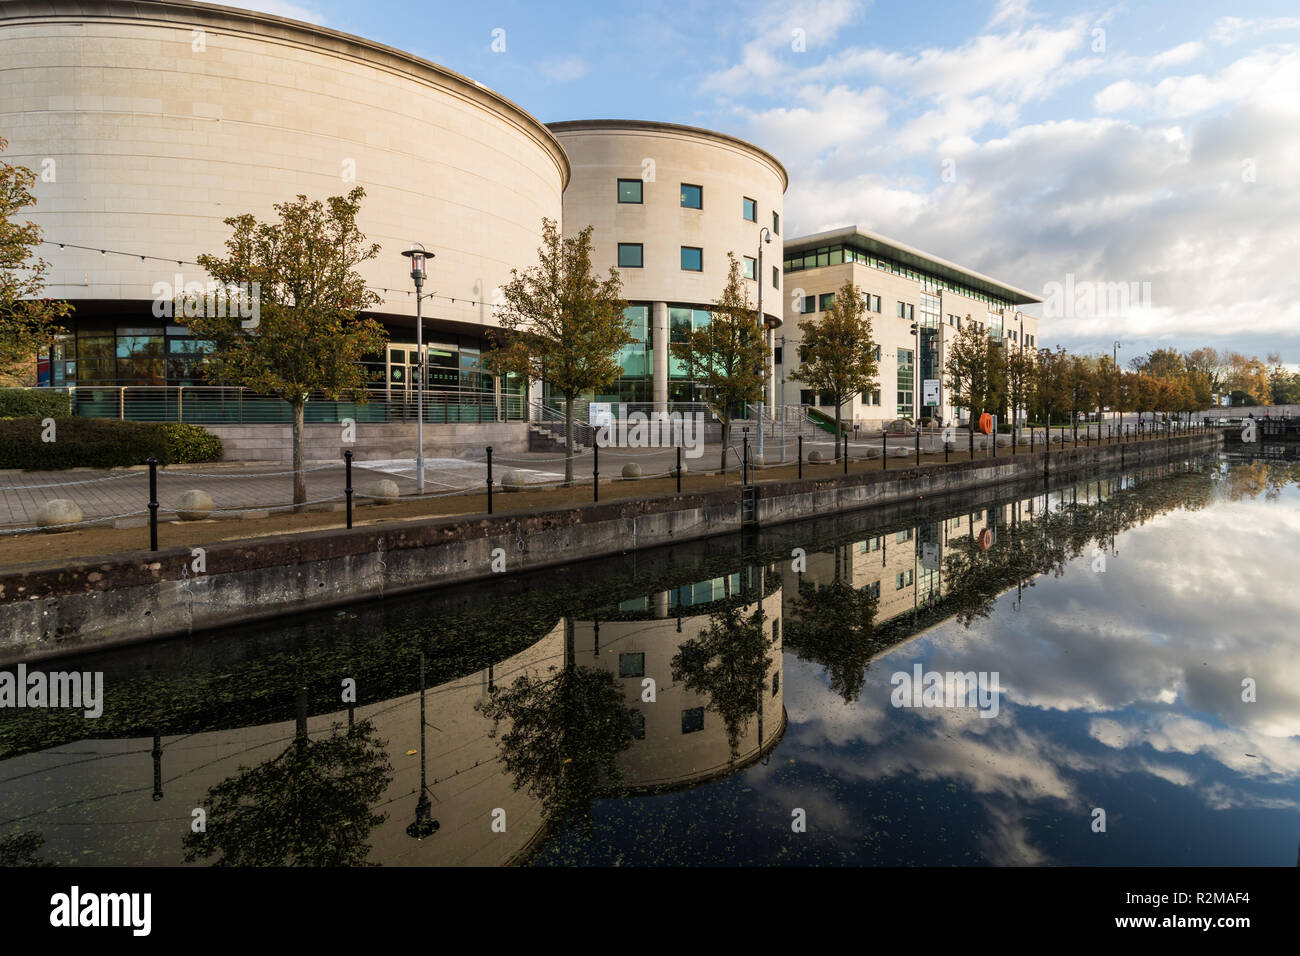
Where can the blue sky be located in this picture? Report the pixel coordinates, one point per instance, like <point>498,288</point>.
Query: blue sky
<point>1117,143</point>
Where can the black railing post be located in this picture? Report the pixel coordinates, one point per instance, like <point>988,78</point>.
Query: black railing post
<point>801,458</point>
<point>679,469</point>
<point>884,449</point>
<point>1031,439</point>
<point>347,482</point>
<point>489,477</point>
<point>846,452</point>
<point>153,503</point>
<point>595,472</point>
<point>744,460</point>
<point>918,446</point>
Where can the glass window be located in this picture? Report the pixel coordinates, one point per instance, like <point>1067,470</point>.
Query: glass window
<point>776,683</point>
<point>751,265</point>
<point>776,278</point>
<point>902,580</point>
<point>808,305</point>
<point>776,224</point>
<point>749,209</point>
<point>825,300</point>
<point>778,355</point>
<point>638,724</point>
<point>631,665</point>
<point>692,259</point>
<point>692,720</point>
<point>692,196</point>
<point>629,190</point>
<point>679,324</point>
<point>629,255</point>
<point>875,303</point>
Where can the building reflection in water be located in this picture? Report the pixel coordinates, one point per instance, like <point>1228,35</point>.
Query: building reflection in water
<point>670,688</point>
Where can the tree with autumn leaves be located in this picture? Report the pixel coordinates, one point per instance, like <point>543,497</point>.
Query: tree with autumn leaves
<point>837,353</point>
<point>28,321</point>
<point>300,271</point>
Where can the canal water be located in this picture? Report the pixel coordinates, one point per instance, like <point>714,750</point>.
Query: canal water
<point>1092,672</point>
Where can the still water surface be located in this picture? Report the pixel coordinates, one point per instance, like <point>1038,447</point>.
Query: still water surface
<point>734,702</point>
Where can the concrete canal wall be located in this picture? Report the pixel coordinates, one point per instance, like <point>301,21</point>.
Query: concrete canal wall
<point>145,595</point>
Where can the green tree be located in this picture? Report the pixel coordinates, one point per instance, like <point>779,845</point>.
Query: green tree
<point>837,353</point>
<point>727,357</point>
<point>561,321</point>
<point>1053,384</point>
<point>834,625</point>
<point>310,806</point>
<point>28,322</point>
<point>1021,367</point>
<point>301,273</point>
<point>975,373</point>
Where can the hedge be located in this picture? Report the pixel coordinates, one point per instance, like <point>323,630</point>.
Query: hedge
<point>43,403</point>
<point>102,443</point>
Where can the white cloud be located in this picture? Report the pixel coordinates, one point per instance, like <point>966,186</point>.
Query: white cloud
<point>563,69</point>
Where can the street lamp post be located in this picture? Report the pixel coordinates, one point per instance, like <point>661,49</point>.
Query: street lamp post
<point>764,237</point>
<point>1114,360</point>
<point>419,257</point>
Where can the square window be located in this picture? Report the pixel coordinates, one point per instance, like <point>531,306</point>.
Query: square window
<point>630,190</point>
<point>631,665</point>
<point>751,267</point>
<point>637,720</point>
<point>808,304</point>
<point>749,209</point>
<point>692,720</point>
<point>692,196</point>
<point>692,259</point>
<point>630,255</point>
<point>825,300</point>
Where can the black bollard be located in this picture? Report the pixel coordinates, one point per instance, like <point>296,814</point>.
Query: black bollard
<point>918,446</point>
<point>679,469</point>
<point>800,457</point>
<point>595,472</point>
<point>884,451</point>
<point>489,477</point>
<point>153,503</point>
<point>846,453</point>
<point>347,482</point>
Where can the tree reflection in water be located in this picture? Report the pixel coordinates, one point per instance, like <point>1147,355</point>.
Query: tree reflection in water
<point>834,625</point>
<point>310,806</point>
<point>565,730</point>
<point>727,662</point>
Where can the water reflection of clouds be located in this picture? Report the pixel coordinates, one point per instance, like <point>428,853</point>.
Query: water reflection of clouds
<point>1149,656</point>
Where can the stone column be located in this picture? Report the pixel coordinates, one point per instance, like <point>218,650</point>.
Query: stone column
<point>659,330</point>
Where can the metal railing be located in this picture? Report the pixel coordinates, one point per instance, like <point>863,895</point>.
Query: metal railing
<point>216,405</point>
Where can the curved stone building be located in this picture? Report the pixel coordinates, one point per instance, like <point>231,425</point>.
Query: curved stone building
<point>151,122</point>
<point>667,204</point>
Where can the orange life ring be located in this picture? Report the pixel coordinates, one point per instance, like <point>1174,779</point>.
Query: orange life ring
<point>986,423</point>
<point>986,539</point>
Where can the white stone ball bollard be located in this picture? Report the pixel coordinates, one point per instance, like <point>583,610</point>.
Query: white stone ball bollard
<point>58,514</point>
<point>194,505</point>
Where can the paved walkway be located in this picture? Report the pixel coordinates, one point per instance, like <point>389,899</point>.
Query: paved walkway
<point>123,494</point>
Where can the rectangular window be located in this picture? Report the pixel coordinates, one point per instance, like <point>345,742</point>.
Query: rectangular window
<point>776,683</point>
<point>808,305</point>
<point>629,190</point>
<point>875,303</point>
<point>776,278</point>
<point>778,355</point>
<point>776,224</point>
<point>629,255</point>
<point>873,589</point>
<point>751,265</point>
<point>776,629</point>
<point>805,396</point>
<point>749,209</point>
<point>638,725</point>
<point>692,259</point>
<point>631,665</point>
<point>692,196</point>
<point>692,720</point>
<point>825,300</point>
<point>903,536</point>
<point>902,580</point>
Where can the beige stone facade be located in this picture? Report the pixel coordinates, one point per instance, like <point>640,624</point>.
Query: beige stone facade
<point>937,295</point>
<point>683,189</point>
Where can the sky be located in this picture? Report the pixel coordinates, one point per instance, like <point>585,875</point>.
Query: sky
<point>1060,147</point>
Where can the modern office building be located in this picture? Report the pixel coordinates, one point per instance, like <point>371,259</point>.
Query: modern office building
<point>150,122</point>
<point>917,303</point>
<point>667,204</point>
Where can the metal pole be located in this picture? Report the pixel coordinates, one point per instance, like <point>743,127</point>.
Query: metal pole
<point>679,469</point>
<point>489,477</point>
<point>762,331</point>
<point>595,471</point>
<point>419,393</point>
<point>744,459</point>
<point>347,482</point>
<point>846,453</point>
<point>153,503</point>
<point>884,449</point>
<point>918,444</point>
<point>800,457</point>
